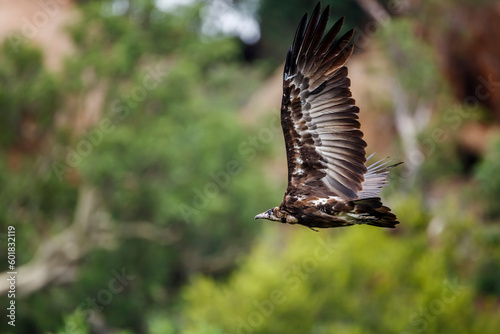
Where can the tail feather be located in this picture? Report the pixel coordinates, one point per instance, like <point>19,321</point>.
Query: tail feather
<point>370,211</point>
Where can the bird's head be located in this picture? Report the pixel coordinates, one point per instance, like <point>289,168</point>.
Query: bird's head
<point>271,214</point>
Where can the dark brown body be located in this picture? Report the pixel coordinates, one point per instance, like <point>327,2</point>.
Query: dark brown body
<point>334,212</point>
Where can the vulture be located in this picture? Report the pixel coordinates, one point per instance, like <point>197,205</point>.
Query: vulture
<point>329,184</point>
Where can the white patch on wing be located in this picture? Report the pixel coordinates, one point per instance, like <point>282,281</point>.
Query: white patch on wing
<point>319,201</point>
<point>298,171</point>
<point>325,200</point>
<point>297,129</point>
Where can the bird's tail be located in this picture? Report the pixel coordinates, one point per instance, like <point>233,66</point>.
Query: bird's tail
<point>370,211</point>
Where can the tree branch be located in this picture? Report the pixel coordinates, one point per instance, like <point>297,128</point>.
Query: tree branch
<point>57,259</point>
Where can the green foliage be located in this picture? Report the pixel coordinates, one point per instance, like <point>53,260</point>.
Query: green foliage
<point>441,155</point>
<point>415,214</point>
<point>28,95</point>
<point>414,61</point>
<point>488,179</point>
<point>170,151</point>
<point>357,280</point>
<point>74,323</point>
<point>31,198</point>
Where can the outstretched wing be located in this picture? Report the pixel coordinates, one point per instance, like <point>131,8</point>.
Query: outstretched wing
<point>324,146</point>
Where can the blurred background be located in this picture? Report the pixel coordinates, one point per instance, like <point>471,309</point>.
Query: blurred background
<point>138,139</point>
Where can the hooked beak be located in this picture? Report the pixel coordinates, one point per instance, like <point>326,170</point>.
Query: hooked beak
<point>261,216</point>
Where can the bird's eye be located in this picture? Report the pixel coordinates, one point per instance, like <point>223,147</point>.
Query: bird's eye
<point>269,212</point>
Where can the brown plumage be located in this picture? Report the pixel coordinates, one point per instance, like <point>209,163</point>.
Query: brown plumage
<point>328,182</point>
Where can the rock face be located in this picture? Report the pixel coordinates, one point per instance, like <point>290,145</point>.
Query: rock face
<point>470,54</point>
<point>466,40</point>
<point>41,23</point>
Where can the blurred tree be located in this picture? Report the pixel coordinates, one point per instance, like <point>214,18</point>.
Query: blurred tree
<point>29,102</point>
<point>347,281</point>
<point>147,183</point>
<point>488,180</point>
<point>160,185</point>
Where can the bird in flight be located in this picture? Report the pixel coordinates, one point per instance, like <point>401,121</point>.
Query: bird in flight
<point>329,184</point>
